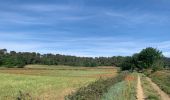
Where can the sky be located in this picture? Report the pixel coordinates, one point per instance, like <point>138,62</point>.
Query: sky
<point>90,28</point>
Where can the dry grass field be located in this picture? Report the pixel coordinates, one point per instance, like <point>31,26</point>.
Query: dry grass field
<point>41,82</point>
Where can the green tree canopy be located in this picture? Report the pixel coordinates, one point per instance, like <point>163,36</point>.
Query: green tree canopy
<point>149,57</point>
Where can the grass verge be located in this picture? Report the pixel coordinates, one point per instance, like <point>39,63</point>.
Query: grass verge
<point>95,91</point>
<point>149,92</point>
<point>162,79</point>
<point>125,90</point>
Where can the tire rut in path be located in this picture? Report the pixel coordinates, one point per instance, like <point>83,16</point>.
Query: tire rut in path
<point>140,94</point>
<point>162,94</point>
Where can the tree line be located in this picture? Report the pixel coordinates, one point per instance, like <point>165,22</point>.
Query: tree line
<point>147,58</point>
<point>20,59</point>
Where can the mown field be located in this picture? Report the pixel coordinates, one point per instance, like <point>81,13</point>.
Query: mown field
<point>41,82</point>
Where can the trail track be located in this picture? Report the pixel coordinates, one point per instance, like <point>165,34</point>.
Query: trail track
<point>140,94</point>
<point>162,94</point>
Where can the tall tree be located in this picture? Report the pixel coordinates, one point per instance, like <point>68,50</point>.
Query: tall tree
<point>150,58</point>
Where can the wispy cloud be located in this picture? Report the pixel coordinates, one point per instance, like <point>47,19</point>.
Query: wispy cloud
<point>133,18</point>
<point>18,18</point>
<point>79,46</point>
<point>84,28</point>
<point>41,14</point>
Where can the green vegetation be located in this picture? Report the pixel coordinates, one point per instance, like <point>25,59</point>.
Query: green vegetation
<point>115,92</point>
<point>52,77</point>
<point>125,90</point>
<point>149,92</point>
<point>47,83</point>
<point>95,91</point>
<point>35,85</point>
<point>149,58</point>
<point>162,78</point>
<point>20,59</point>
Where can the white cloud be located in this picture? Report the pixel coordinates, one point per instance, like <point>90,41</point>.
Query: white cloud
<point>167,54</point>
<point>93,46</point>
<point>18,46</point>
<point>60,42</point>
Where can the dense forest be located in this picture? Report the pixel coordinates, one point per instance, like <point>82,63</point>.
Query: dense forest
<point>20,59</point>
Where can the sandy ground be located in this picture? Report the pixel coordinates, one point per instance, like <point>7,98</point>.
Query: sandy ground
<point>162,94</point>
<point>140,94</point>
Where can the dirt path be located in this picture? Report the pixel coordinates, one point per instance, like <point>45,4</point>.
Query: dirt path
<point>162,94</point>
<point>140,95</point>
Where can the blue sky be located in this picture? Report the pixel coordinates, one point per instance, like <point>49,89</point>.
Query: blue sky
<point>85,27</point>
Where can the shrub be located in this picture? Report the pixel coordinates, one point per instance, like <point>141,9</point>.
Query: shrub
<point>24,96</point>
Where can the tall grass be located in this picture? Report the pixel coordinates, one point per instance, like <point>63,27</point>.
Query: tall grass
<point>125,90</point>
<point>162,78</point>
<point>49,84</point>
<point>95,91</point>
<point>11,84</point>
<point>149,92</point>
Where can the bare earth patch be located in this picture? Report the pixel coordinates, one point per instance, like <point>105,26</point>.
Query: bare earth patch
<point>140,94</point>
